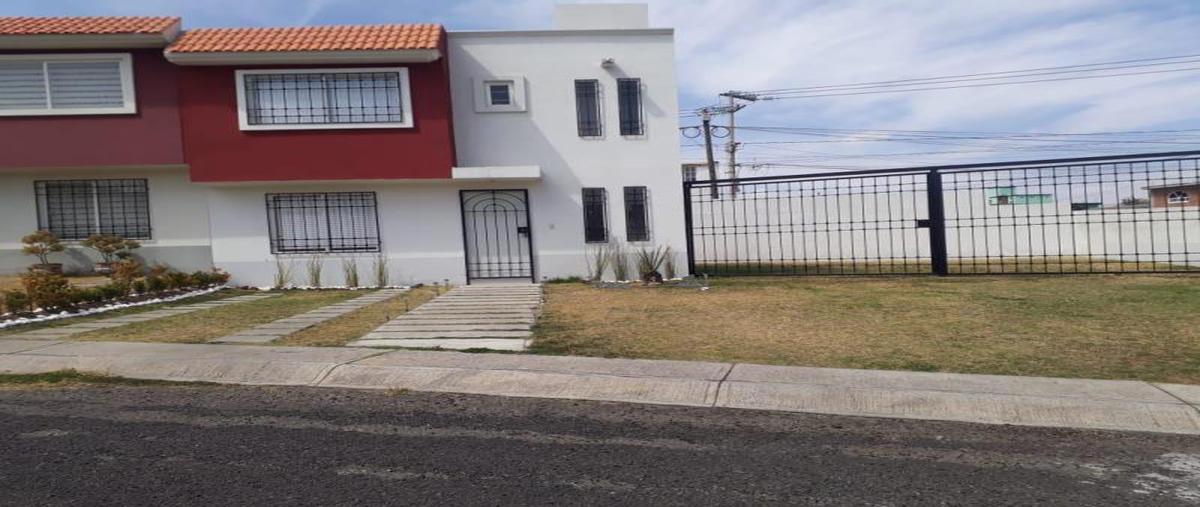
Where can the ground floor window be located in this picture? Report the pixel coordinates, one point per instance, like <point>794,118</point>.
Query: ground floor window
<point>1178,197</point>
<point>637,220</point>
<point>76,209</point>
<point>595,215</point>
<point>318,222</point>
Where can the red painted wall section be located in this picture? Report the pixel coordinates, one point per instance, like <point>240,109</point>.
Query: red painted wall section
<point>218,151</point>
<point>149,137</point>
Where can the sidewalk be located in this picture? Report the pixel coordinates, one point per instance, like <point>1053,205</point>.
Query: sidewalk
<point>1031,401</point>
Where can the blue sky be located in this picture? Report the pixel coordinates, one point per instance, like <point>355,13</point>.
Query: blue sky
<point>759,44</point>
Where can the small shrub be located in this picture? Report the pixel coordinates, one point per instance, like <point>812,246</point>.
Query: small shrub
<point>16,301</point>
<point>126,270</point>
<point>179,280</point>
<point>619,258</point>
<point>48,291</point>
<point>649,260</point>
<point>209,278</point>
<point>111,247</point>
<point>113,290</point>
<point>597,259</point>
<point>155,284</point>
<point>669,270</point>
<point>89,295</point>
<point>314,267</point>
<point>380,270</point>
<point>138,286</point>
<point>283,273</point>
<point>41,244</point>
<point>350,272</point>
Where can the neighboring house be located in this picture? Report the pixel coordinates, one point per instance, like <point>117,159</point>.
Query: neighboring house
<point>459,156</point>
<point>1001,196</point>
<point>1185,194</point>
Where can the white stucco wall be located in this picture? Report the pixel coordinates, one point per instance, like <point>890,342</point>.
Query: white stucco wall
<point>178,217</point>
<point>545,133</point>
<point>419,225</point>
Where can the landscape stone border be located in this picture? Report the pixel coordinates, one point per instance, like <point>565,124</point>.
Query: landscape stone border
<point>58,333</point>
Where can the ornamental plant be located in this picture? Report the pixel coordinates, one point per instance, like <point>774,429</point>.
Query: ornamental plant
<point>111,247</point>
<point>41,244</point>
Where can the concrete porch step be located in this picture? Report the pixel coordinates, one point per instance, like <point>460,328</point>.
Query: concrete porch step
<point>450,344</point>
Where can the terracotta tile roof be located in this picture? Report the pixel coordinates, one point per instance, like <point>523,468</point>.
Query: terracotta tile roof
<point>91,25</point>
<point>309,38</point>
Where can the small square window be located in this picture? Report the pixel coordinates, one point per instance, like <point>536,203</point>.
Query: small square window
<point>500,94</point>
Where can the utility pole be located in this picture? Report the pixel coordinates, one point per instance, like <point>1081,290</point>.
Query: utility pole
<point>731,147</point>
<point>708,151</point>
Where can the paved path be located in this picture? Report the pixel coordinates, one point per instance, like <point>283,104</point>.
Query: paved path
<point>60,332</point>
<point>266,333</point>
<point>490,316</point>
<point>296,446</point>
<point>1031,401</point>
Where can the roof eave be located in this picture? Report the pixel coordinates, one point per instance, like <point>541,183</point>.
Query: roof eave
<point>92,41</point>
<point>303,57</point>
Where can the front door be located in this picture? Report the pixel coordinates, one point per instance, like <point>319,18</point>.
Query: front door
<point>496,234</point>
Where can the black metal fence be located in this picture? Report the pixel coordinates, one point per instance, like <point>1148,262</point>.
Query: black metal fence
<point>1120,214</point>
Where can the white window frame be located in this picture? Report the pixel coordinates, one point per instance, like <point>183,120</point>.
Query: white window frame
<point>516,94</point>
<point>405,99</point>
<point>128,94</point>
<point>1184,197</point>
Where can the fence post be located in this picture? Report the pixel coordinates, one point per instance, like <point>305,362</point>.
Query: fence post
<point>687,228</point>
<point>937,224</point>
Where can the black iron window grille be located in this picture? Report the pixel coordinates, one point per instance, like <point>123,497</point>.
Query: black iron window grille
<point>637,219</point>
<point>323,222</point>
<point>595,215</point>
<point>629,103</point>
<point>587,108</point>
<point>346,98</point>
<point>76,209</point>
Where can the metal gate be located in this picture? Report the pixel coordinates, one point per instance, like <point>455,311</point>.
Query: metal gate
<point>496,235</point>
<point>1118,214</point>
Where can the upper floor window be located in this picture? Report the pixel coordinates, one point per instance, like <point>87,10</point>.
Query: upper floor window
<point>66,84</point>
<point>1178,197</point>
<point>500,93</point>
<point>324,99</point>
<point>76,209</point>
<point>587,108</point>
<point>629,103</point>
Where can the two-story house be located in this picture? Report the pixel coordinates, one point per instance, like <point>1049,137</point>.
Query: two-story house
<point>454,155</point>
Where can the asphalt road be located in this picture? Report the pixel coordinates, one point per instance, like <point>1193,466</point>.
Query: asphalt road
<point>126,445</point>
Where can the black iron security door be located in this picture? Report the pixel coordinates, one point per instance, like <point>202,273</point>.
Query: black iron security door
<point>496,234</point>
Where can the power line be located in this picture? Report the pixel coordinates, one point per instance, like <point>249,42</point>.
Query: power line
<point>975,85</point>
<point>981,75</point>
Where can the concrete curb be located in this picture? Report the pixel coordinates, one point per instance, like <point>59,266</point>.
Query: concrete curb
<point>989,399</point>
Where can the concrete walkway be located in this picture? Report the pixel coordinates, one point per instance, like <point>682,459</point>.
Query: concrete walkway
<point>491,316</point>
<point>271,331</point>
<point>1031,401</point>
<point>60,332</point>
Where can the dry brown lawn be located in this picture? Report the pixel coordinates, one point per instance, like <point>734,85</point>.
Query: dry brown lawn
<point>205,325</point>
<point>1093,326</point>
<point>342,330</point>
